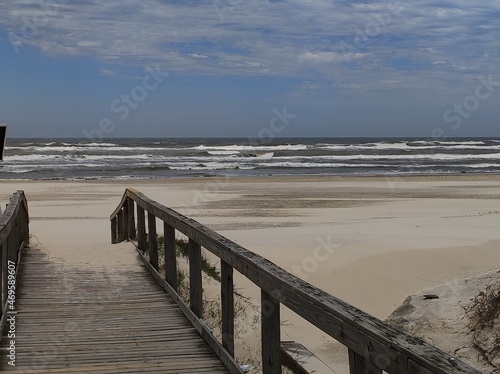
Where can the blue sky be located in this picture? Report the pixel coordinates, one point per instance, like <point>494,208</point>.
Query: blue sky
<point>224,68</point>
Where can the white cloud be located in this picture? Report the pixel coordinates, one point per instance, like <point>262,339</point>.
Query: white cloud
<point>309,86</point>
<point>342,41</point>
<point>88,44</point>
<point>196,55</point>
<point>333,57</point>
<point>107,72</point>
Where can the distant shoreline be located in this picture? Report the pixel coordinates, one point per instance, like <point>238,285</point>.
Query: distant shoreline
<point>52,159</point>
<point>196,179</point>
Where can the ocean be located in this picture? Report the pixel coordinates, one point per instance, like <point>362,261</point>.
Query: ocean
<point>166,158</point>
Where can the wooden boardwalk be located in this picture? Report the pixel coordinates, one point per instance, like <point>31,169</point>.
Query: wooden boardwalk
<point>87,320</point>
<point>116,318</point>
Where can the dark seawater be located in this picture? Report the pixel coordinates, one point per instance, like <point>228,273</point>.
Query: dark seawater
<point>165,158</point>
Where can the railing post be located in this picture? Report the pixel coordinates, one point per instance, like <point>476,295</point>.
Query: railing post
<point>124,223</point>
<point>114,224</point>
<point>13,244</point>
<point>122,234</point>
<point>131,219</point>
<point>227,301</point>
<point>3,295</point>
<point>20,228</point>
<point>359,365</point>
<point>270,331</point>
<point>119,225</point>
<point>141,228</point>
<point>153,241</point>
<point>26,224</point>
<point>170,255</point>
<point>195,281</point>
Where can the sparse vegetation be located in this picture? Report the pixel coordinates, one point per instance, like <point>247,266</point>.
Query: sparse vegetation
<point>247,314</point>
<point>484,317</point>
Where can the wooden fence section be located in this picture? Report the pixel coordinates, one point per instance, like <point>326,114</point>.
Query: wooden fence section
<point>14,236</point>
<point>374,347</point>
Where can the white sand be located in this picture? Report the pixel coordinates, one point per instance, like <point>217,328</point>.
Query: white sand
<point>443,321</point>
<point>369,241</point>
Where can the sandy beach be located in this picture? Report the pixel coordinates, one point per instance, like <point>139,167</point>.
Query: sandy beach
<point>370,241</point>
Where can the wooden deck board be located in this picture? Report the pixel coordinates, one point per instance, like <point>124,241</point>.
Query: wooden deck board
<point>85,320</point>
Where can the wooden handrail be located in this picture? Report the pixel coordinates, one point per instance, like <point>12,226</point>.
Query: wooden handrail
<point>14,236</point>
<point>373,345</point>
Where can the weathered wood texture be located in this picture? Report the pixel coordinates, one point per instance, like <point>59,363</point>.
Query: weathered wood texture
<point>14,235</point>
<point>122,224</point>
<point>300,360</point>
<point>153,242</point>
<point>114,237</point>
<point>270,332</point>
<point>227,306</point>
<point>79,320</point>
<point>170,255</point>
<point>358,365</point>
<point>141,229</point>
<point>197,322</point>
<point>375,344</point>
<point>195,279</point>
<point>131,220</point>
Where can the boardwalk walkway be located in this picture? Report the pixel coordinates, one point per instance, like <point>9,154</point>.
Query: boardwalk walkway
<point>91,307</point>
<point>91,320</point>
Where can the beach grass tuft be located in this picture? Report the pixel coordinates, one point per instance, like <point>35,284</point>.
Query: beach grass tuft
<point>484,317</point>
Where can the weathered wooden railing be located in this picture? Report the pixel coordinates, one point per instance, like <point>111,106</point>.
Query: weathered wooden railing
<point>14,236</point>
<point>373,346</point>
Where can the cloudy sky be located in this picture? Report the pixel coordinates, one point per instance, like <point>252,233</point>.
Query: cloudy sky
<point>224,68</point>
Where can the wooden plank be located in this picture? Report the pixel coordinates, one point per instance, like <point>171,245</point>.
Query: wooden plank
<point>114,237</point>
<point>415,368</point>
<point>3,276</point>
<point>131,219</point>
<point>195,279</point>
<point>118,225</point>
<point>359,365</point>
<point>9,217</point>
<point>300,360</point>
<point>2,282</point>
<point>112,321</point>
<point>271,337</point>
<point>6,270</point>
<point>352,327</point>
<point>141,229</point>
<point>227,305</point>
<point>122,235</point>
<point>5,273</point>
<point>24,216</point>
<point>153,241</point>
<point>170,255</point>
<point>123,223</point>
<point>13,243</point>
